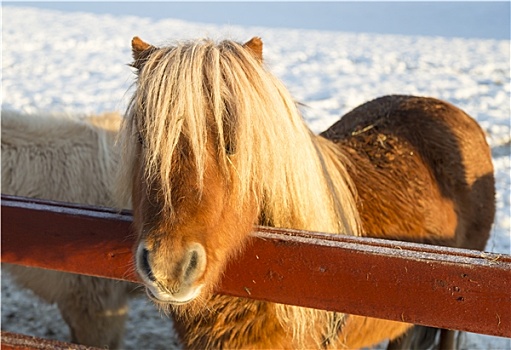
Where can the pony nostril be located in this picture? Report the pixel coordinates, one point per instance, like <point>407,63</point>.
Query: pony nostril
<point>145,265</point>
<point>192,265</point>
<point>195,263</point>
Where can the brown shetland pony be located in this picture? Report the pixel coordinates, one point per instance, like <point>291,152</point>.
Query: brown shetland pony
<point>214,144</point>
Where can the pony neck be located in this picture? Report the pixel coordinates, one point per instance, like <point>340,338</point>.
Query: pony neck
<point>310,188</point>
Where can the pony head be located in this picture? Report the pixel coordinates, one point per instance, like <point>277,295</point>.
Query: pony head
<point>213,144</point>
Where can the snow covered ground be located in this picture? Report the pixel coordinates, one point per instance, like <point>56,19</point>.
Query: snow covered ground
<point>77,62</point>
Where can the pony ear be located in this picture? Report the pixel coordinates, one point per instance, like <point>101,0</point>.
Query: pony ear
<point>255,46</point>
<point>141,50</point>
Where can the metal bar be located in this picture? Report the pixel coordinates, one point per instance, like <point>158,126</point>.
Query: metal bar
<point>435,286</point>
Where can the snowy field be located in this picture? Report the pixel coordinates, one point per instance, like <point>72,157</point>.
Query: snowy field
<point>77,63</point>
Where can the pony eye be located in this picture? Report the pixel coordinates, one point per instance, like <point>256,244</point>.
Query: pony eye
<point>229,138</point>
<point>229,148</point>
<point>140,139</point>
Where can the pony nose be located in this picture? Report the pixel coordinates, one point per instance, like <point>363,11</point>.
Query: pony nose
<point>183,268</point>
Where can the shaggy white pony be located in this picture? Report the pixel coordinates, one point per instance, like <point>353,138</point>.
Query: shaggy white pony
<point>72,159</point>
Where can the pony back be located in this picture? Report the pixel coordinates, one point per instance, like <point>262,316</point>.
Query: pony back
<point>59,157</point>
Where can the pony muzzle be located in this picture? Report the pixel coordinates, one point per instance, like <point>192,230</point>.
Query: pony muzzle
<point>174,281</point>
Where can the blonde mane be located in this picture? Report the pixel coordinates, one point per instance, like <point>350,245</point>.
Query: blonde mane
<point>199,90</point>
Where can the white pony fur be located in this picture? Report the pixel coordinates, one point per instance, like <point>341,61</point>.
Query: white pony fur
<point>67,158</point>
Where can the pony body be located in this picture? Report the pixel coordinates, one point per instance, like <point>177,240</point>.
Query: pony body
<point>435,159</point>
<point>47,156</point>
<point>213,144</point>
<point>58,157</point>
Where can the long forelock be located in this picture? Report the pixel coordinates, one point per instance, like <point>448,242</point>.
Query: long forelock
<point>174,103</point>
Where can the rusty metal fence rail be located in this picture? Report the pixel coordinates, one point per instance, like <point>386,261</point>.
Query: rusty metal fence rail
<point>428,285</point>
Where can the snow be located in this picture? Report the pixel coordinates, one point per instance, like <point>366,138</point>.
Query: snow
<point>78,62</point>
